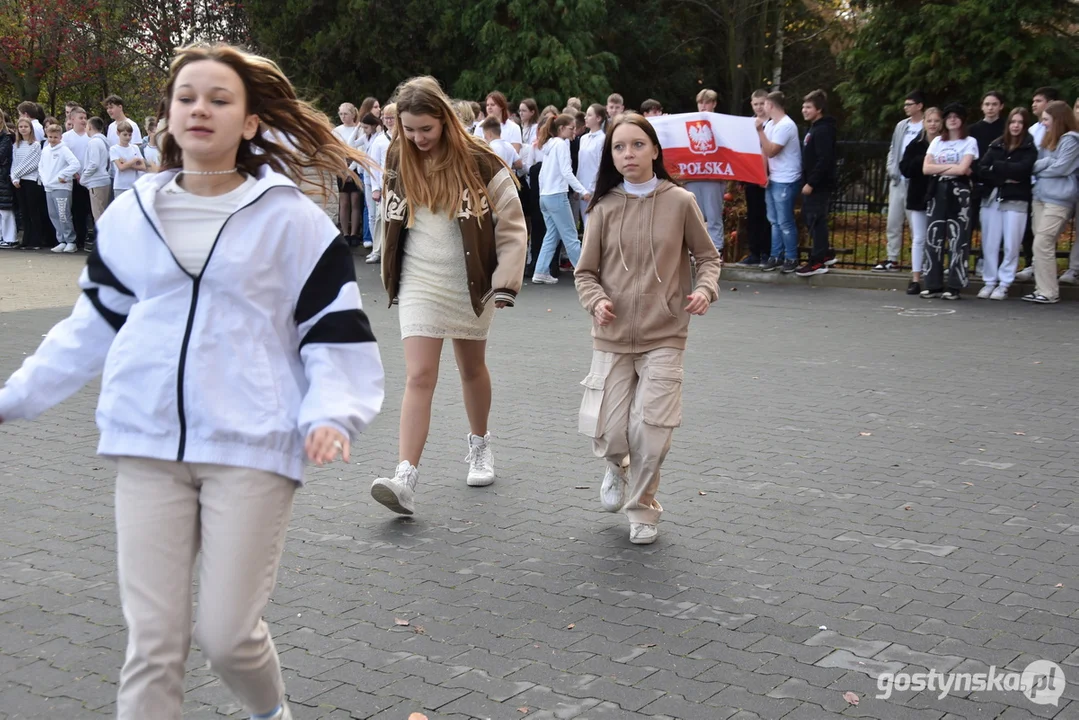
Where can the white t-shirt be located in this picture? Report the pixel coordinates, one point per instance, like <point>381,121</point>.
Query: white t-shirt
<point>1037,131</point>
<point>786,167</point>
<point>912,131</point>
<point>348,134</point>
<point>191,223</point>
<point>511,132</point>
<point>588,157</point>
<point>114,138</point>
<point>152,155</point>
<point>77,144</point>
<point>952,152</point>
<point>39,131</point>
<point>123,179</point>
<point>505,151</point>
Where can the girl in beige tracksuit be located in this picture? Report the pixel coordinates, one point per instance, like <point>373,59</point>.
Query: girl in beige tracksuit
<point>634,278</point>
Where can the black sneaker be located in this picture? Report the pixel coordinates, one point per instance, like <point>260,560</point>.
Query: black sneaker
<point>914,288</point>
<point>789,266</point>
<point>830,259</point>
<point>749,261</point>
<point>770,264</point>
<point>811,268</point>
<point>886,266</point>
<point>951,295</point>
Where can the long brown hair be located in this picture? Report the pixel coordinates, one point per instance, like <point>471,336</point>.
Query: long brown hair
<point>307,134</point>
<point>1011,142</point>
<point>438,185</point>
<point>1063,122</point>
<point>550,128</point>
<point>366,106</point>
<point>608,176</point>
<point>19,138</point>
<point>530,103</point>
<point>500,101</point>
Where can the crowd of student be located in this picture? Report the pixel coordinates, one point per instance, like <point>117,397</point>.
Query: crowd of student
<point>59,176</point>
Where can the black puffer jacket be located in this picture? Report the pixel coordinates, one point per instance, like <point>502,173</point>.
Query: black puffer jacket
<point>7,190</point>
<point>911,167</point>
<point>1000,165</point>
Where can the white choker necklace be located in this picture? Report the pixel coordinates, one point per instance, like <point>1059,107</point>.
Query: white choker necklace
<point>208,172</point>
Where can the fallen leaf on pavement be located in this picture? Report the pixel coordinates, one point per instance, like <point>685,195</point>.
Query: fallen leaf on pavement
<point>522,710</point>
<point>1019,433</point>
<point>865,434</point>
<point>399,621</point>
<point>417,716</point>
<point>648,645</point>
<point>850,697</point>
<point>969,483</point>
<point>701,492</point>
<point>571,626</point>
<point>419,630</point>
<point>907,507</point>
<point>1060,584</point>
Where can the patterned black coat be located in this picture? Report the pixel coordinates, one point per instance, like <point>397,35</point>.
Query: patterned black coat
<point>7,190</point>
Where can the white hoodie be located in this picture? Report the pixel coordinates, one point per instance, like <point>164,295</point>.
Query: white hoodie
<point>233,366</point>
<point>55,163</point>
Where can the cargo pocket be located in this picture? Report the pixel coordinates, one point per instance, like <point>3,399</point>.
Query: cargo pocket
<point>662,399</point>
<point>590,420</point>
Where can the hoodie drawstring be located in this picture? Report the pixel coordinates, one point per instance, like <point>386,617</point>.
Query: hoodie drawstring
<point>621,225</point>
<point>651,235</point>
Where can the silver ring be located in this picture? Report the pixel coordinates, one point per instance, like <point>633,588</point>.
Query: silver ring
<point>337,444</point>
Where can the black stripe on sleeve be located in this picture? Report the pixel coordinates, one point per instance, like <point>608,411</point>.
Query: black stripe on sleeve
<point>333,271</point>
<point>345,326</point>
<point>101,275</point>
<point>111,317</point>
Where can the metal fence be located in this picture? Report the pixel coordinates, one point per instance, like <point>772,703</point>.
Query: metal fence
<point>859,212</point>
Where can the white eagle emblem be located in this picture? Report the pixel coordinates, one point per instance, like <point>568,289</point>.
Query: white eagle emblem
<point>702,141</point>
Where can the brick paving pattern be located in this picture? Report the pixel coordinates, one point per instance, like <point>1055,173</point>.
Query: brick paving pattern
<point>864,483</point>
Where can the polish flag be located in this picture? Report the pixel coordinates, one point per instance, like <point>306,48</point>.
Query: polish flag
<point>710,146</point>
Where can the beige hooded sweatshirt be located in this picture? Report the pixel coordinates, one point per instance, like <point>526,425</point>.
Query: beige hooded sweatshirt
<point>636,254</point>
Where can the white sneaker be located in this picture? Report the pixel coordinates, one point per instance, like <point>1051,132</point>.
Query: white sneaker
<point>1000,292</point>
<point>1026,274</point>
<point>283,713</point>
<point>62,247</point>
<point>367,244</point>
<point>398,493</point>
<point>71,247</point>
<point>1069,277</point>
<point>643,533</point>
<point>481,461</point>
<point>544,279</point>
<point>372,258</point>
<point>986,292</point>
<point>612,492</point>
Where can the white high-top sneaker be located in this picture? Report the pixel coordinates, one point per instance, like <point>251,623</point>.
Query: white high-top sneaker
<point>481,461</point>
<point>398,493</point>
<point>281,713</point>
<point>612,492</point>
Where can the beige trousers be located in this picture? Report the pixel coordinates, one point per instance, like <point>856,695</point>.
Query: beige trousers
<point>99,200</point>
<point>1048,222</point>
<point>165,512</point>
<point>632,403</point>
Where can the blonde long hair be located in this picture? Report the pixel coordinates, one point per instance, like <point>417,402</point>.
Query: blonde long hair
<point>309,141</point>
<point>437,186</point>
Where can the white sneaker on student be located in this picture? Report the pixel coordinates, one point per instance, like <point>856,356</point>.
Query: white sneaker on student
<point>1000,292</point>
<point>1069,277</point>
<point>372,258</point>
<point>544,279</point>
<point>1026,274</point>
<point>398,493</point>
<point>643,533</point>
<point>71,247</point>
<point>481,461</point>
<point>612,492</point>
<point>60,248</point>
<point>986,292</point>
<point>282,713</point>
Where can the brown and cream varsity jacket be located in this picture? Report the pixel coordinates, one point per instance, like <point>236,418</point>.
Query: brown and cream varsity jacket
<point>495,240</point>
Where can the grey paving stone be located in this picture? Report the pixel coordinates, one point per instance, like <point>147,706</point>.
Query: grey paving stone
<point>804,523</point>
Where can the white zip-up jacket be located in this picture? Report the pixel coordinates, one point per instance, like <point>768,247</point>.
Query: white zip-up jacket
<point>233,366</point>
<point>588,157</point>
<point>55,163</point>
<point>556,176</point>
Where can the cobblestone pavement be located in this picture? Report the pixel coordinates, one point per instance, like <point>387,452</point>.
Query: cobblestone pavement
<point>864,483</point>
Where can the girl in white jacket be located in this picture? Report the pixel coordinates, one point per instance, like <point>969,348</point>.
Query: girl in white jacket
<point>222,306</point>
<point>57,169</point>
<point>555,179</point>
<point>595,119</point>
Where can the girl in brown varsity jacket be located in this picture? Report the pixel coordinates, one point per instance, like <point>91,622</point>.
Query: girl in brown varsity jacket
<point>453,250</point>
<point>634,277</point>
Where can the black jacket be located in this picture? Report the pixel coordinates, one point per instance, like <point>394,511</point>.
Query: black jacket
<point>911,167</point>
<point>985,133</point>
<point>818,155</point>
<point>999,165</point>
<point>7,190</point>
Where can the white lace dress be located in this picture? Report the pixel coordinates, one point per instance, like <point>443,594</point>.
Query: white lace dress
<point>433,297</point>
